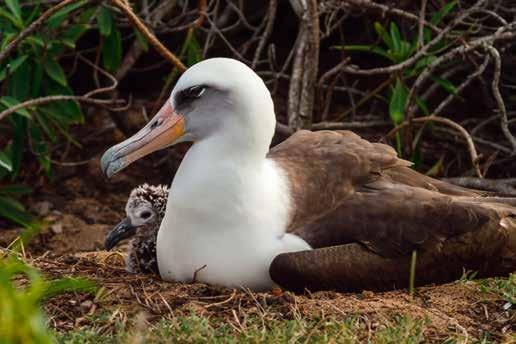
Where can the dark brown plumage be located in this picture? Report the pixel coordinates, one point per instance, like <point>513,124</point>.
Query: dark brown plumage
<point>360,195</point>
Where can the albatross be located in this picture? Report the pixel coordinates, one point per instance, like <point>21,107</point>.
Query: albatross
<point>322,210</point>
<point>145,209</point>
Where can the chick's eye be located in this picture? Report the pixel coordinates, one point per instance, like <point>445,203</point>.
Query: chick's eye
<point>145,214</point>
<point>194,91</point>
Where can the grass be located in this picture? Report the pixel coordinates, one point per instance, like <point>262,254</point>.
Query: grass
<point>504,287</point>
<point>198,329</point>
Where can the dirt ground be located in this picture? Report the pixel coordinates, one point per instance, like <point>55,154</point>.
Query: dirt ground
<point>80,206</point>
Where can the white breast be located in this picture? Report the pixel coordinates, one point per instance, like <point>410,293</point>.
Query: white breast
<point>225,220</point>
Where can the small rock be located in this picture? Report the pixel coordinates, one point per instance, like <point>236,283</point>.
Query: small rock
<point>57,228</point>
<point>42,208</point>
<point>86,305</point>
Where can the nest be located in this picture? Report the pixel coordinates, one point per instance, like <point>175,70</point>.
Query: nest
<point>124,295</point>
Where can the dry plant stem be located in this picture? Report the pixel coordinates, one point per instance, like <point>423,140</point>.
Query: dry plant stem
<point>366,98</point>
<point>471,145</point>
<point>480,70</point>
<point>474,45</point>
<point>295,81</point>
<point>349,125</point>
<point>504,122</point>
<point>33,27</point>
<point>136,49</point>
<point>395,11</point>
<point>49,99</point>
<point>325,100</point>
<point>138,24</point>
<point>311,64</point>
<point>506,187</point>
<point>304,70</point>
<point>422,14</point>
<point>271,18</point>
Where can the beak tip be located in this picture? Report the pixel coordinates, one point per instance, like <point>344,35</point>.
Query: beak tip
<point>109,163</point>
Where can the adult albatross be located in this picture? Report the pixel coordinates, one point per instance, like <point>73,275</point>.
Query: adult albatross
<point>239,215</point>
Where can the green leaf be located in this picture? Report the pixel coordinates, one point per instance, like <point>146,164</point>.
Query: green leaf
<point>15,190</point>
<point>14,7</point>
<point>438,16</point>
<point>12,66</point>
<point>382,33</point>
<point>5,162</point>
<point>14,211</point>
<point>142,40</point>
<point>445,84</point>
<point>54,70</point>
<point>422,106</point>
<point>8,102</point>
<point>55,48</point>
<point>37,77</point>
<point>397,102</point>
<point>7,38</point>
<point>19,81</point>
<point>36,40</point>
<point>40,148</point>
<point>112,51</point>
<point>57,18</point>
<point>396,39</point>
<point>16,148</point>
<point>67,112</point>
<point>365,48</point>
<point>72,34</point>
<point>43,122</point>
<point>16,22</point>
<point>105,22</point>
<point>69,284</point>
<point>423,62</point>
<point>193,51</point>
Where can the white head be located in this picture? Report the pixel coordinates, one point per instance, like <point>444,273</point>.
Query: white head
<point>217,98</point>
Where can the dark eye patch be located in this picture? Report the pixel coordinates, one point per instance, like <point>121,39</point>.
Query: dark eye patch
<point>189,94</point>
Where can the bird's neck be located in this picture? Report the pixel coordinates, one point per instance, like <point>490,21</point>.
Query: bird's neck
<point>223,183</point>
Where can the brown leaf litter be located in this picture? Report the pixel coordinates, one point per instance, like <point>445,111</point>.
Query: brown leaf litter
<point>456,307</point>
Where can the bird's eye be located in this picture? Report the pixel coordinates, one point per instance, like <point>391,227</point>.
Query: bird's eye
<point>194,91</point>
<point>145,214</point>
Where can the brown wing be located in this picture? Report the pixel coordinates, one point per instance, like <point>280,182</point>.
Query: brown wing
<point>347,190</point>
<point>326,167</point>
<point>393,220</point>
<point>450,236</point>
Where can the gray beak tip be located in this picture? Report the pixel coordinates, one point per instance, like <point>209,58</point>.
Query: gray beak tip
<point>109,163</point>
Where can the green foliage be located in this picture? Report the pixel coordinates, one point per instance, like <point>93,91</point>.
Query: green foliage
<point>112,45</point>
<point>35,70</point>
<point>12,209</point>
<point>22,289</point>
<point>197,329</point>
<point>504,287</point>
<point>397,48</point>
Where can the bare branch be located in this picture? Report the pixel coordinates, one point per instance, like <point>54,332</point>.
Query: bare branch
<point>471,145</point>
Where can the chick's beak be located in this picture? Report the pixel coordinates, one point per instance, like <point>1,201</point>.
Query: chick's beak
<point>121,231</point>
<point>165,129</point>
